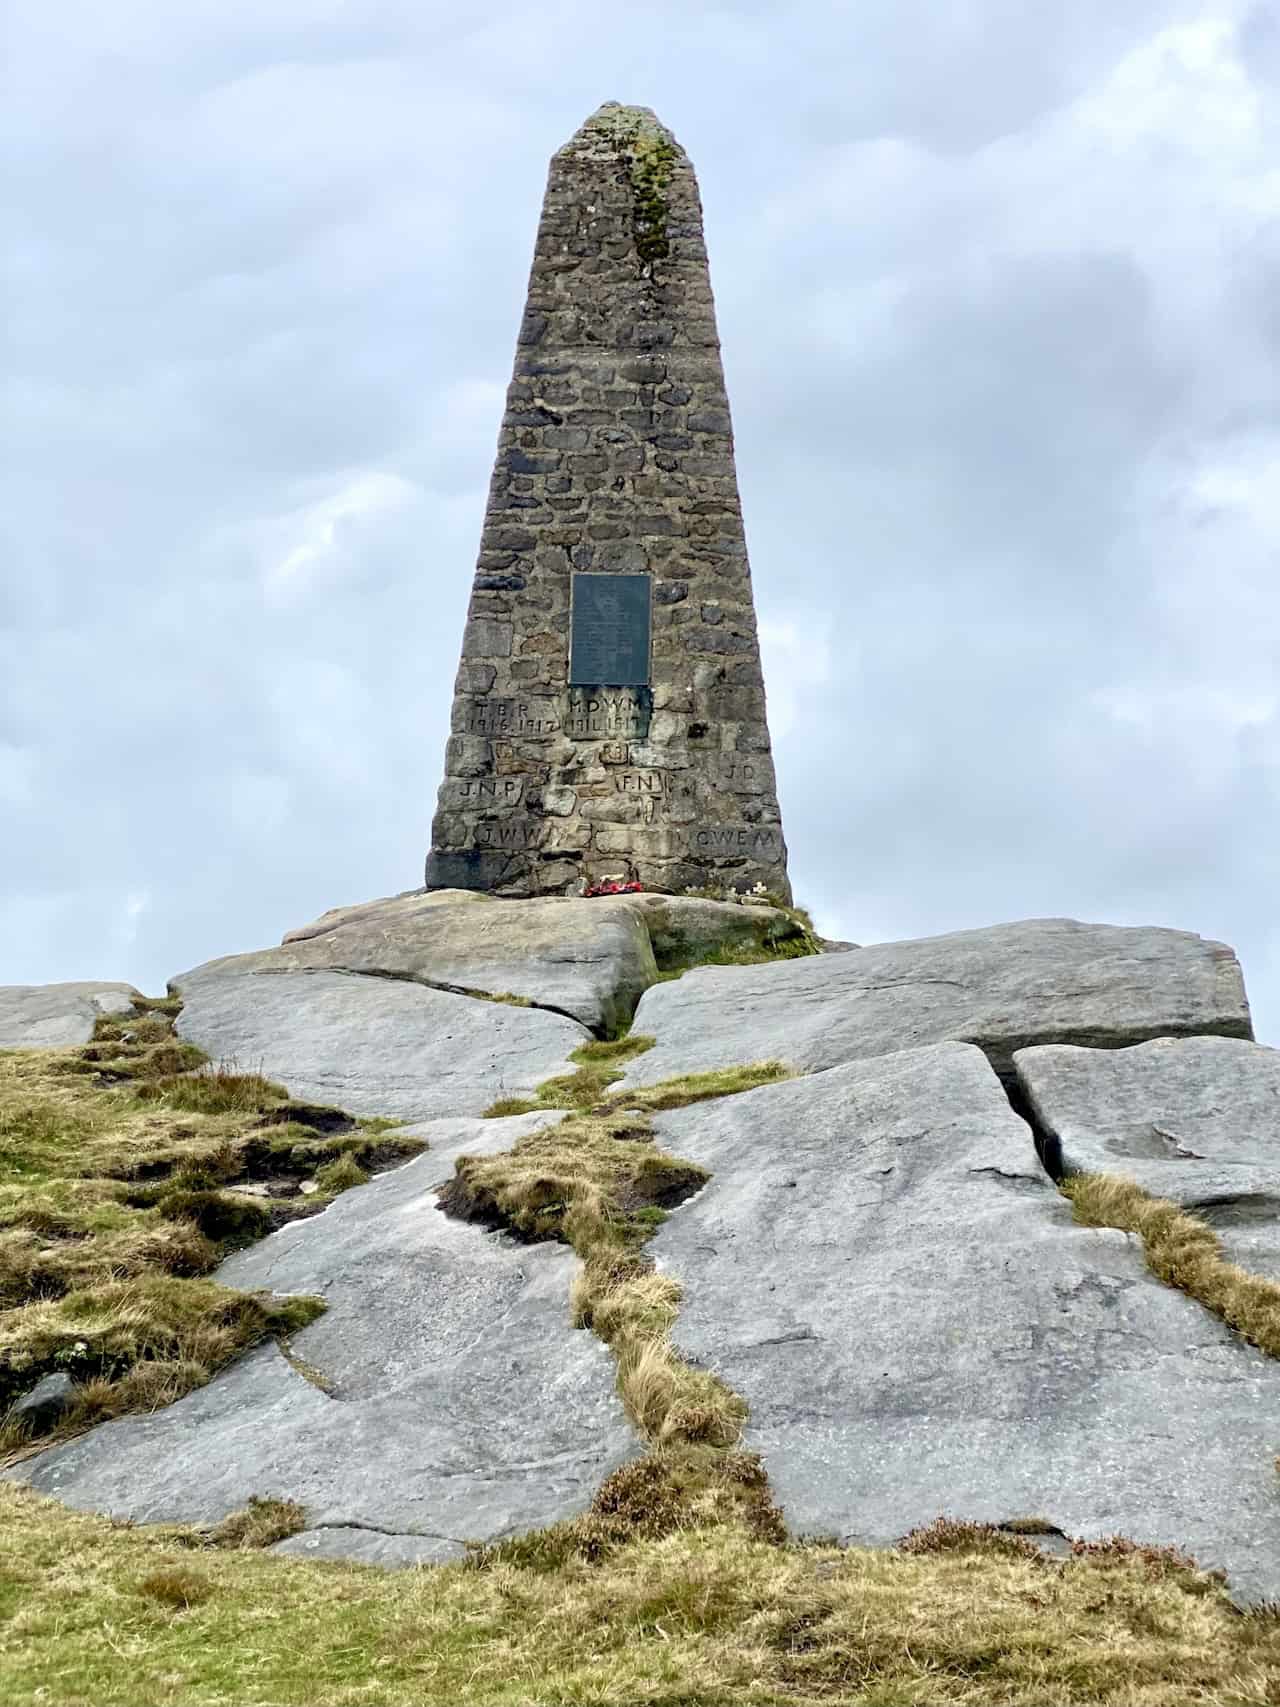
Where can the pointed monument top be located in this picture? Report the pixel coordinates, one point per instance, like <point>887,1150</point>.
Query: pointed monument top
<point>621,126</point>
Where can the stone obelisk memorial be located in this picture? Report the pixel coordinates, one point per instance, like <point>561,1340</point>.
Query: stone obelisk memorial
<point>609,710</point>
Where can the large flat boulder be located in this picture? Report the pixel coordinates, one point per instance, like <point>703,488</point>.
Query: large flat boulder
<point>1002,988</point>
<point>589,960</point>
<point>55,1016</point>
<point>685,929</point>
<point>374,1045</point>
<point>1195,1120</point>
<point>392,908</point>
<point>462,1405</point>
<point>882,1269</point>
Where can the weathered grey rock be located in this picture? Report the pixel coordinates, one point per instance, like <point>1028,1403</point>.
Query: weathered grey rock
<point>1003,988</point>
<point>589,960</point>
<point>392,908</point>
<point>686,928</point>
<point>45,1403</point>
<point>881,1268</point>
<point>54,1016</point>
<point>1195,1120</point>
<point>362,1546</point>
<point>374,1045</point>
<point>462,1404</point>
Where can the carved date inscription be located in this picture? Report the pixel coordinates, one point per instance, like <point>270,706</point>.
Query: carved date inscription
<point>512,718</point>
<point>610,716</point>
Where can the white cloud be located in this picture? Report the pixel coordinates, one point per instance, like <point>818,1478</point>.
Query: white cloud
<point>796,656</point>
<point>17,775</point>
<point>314,541</point>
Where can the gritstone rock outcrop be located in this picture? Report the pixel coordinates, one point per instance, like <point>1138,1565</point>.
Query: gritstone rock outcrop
<point>880,1264</point>
<point>883,1271</point>
<point>52,1016</point>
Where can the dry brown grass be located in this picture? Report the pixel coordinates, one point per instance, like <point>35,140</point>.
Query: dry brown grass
<point>179,1588</point>
<point>1182,1251</point>
<point>652,1497</point>
<point>118,1193</point>
<point>663,1610</point>
<point>261,1523</point>
<point>598,1181</point>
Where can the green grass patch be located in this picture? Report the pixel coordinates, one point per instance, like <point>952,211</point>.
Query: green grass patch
<point>591,1087</point>
<point>689,1088</point>
<point>599,1065</point>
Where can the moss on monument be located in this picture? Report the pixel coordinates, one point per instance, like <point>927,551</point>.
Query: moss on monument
<point>649,153</point>
<point>652,158</point>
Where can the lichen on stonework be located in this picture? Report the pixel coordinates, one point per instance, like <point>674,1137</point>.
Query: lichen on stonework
<point>650,153</point>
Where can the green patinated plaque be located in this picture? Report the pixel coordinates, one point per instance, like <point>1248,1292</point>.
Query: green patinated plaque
<point>609,631</point>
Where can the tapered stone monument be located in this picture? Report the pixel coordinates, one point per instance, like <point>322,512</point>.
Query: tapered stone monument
<point>609,710</point>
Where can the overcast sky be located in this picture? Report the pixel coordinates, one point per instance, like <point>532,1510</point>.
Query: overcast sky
<point>998,285</point>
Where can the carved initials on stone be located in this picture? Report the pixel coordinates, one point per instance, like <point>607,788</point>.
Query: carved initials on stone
<point>737,841</point>
<point>517,833</point>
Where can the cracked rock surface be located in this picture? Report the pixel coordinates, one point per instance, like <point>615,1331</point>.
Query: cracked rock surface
<point>882,1269</point>
<point>1195,1120</point>
<point>1003,988</point>
<point>588,960</point>
<point>54,1016</point>
<point>462,1405</point>
<point>373,1045</point>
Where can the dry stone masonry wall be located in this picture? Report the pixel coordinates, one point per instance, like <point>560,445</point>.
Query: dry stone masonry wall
<point>609,710</point>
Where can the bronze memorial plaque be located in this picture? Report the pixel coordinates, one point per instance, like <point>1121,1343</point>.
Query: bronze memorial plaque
<point>609,633</point>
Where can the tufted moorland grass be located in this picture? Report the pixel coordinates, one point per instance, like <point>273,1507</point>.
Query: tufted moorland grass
<point>676,1586</point>
<point>1183,1251</point>
<point>598,1181</point>
<point>119,1167</point>
<point>100,1614</point>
